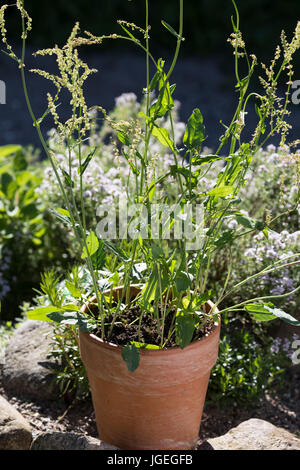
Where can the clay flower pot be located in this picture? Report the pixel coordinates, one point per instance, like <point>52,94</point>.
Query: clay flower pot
<point>158,406</point>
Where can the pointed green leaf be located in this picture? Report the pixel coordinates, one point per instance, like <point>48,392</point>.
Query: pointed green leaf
<point>195,131</point>
<point>74,291</point>
<point>183,281</point>
<point>248,222</point>
<point>170,29</point>
<point>116,251</point>
<point>19,161</point>
<point>162,135</point>
<point>7,150</point>
<point>267,312</point>
<point>221,191</point>
<point>41,313</point>
<point>124,139</point>
<point>67,178</point>
<point>131,356</point>
<point>92,243</point>
<point>259,312</point>
<point>86,162</point>
<point>145,346</point>
<point>278,313</point>
<point>64,212</point>
<point>62,216</point>
<point>185,327</point>
<point>207,159</point>
<point>98,258</point>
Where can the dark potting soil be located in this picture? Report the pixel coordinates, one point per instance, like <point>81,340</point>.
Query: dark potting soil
<point>126,328</point>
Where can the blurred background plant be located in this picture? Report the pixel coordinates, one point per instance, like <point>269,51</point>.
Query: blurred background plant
<point>28,241</point>
<point>250,363</point>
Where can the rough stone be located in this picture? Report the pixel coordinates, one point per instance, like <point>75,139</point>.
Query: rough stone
<point>15,432</point>
<point>27,370</point>
<point>68,441</point>
<point>254,434</point>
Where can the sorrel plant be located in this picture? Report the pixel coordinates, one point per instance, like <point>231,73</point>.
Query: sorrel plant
<point>173,273</point>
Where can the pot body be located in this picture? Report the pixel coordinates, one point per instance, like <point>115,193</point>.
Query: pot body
<point>159,405</point>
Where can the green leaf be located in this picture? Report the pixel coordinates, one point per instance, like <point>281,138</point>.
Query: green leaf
<point>162,135</point>
<point>131,356</point>
<point>86,162</point>
<point>67,178</point>
<point>70,308</point>
<point>30,211</point>
<point>225,238</point>
<point>207,159</point>
<point>183,281</point>
<point>41,313</point>
<point>116,251</point>
<point>61,216</point>
<point>73,318</point>
<point>19,162</point>
<point>154,81</point>
<point>157,252</point>
<point>98,258</point>
<point>5,168</point>
<point>129,34</point>
<point>23,178</point>
<point>92,243</point>
<point>221,191</point>
<point>40,232</point>
<point>153,289</point>
<point>170,29</point>
<point>6,180</point>
<point>145,346</point>
<point>164,101</point>
<point>195,131</point>
<point>248,222</point>
<point>134,169</point>
<point>74,291</point>
<point>185,327</point>
<point>191,178</point>
<point>259,312</point>
<point>124,139</point>
<point>204,297</point>
<point>64,212</point>
<point>7,150</point>
<point>267,311</point>
<point>278,313</point>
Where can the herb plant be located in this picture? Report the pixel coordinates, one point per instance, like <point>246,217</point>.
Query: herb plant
<point>172,272</point>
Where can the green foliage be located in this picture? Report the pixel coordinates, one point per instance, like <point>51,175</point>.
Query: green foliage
<point>246,368</point>
<point>29,241</point>
<point>195,131</point>
<point>70,373</point>
<point>185,327</point>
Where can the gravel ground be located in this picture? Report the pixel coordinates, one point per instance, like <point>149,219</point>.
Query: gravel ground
<point>282,409</point>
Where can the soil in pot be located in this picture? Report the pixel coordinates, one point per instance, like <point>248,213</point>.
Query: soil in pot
<point>159,405</point>
<point>126,328</point>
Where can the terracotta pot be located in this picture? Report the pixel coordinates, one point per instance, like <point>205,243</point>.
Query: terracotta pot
<point>159,406</point>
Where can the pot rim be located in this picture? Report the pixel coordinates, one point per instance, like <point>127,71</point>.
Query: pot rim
<point>150,352</point>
